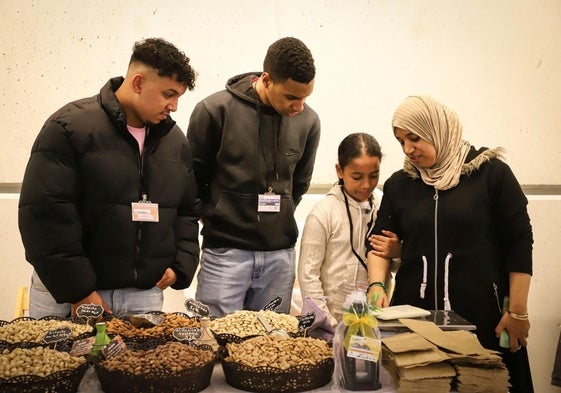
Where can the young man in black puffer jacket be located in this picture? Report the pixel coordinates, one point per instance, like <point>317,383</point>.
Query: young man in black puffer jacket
<point>85,228</point>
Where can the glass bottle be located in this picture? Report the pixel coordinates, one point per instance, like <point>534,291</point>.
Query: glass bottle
<point>361,374</point>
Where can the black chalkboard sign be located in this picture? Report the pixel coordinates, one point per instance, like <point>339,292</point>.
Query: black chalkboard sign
<point>273,304</point>
<point>187,333</point>
<point>306,321</point>
<point>89,310</point>
<point>197,308</point>
<point>59,334</point>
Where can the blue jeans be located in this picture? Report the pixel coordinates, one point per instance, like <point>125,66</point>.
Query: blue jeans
<point>123,302</point>
<point>230,279</point>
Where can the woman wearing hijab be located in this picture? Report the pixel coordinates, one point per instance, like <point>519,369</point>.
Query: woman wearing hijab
<point>467,237</point>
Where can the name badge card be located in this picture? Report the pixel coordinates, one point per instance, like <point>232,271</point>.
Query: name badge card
<point>145,211</point>
<point>269,203</point>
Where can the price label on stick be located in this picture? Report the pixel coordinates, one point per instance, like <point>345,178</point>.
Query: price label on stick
<point>82,347</point>
<point>273,304</point>
<point>89,310</point>
<point>60,334</point>
<point>197,308</point>
<point>187,334</point>
<point>306,321</point>
<point>115,346</point>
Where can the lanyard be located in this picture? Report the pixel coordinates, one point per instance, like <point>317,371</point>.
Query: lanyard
<point>351,228</point>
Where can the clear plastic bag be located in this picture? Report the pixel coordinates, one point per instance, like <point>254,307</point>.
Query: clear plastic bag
<point>357,347</point>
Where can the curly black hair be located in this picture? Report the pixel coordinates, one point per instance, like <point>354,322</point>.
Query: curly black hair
<point>289,58</point>
<point>164,57</point>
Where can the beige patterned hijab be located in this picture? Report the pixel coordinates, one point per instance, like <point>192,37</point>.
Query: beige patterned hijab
<point>439,126</point>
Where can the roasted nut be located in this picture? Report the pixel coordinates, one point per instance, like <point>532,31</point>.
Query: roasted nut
<point>244,323</point>
<point>37,361</point>
<point>34,331</point>
<point>171,322</point>
<point>279,352</point>
<point>167,358</point>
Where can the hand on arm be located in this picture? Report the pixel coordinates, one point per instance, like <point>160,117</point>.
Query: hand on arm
<point>516,321</point>
<point>387,245</point>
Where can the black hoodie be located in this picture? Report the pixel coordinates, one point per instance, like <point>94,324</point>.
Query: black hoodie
<point>235,139</point>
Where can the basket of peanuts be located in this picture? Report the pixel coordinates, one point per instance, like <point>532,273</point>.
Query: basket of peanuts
<point>242,324</point>
<point>157,365</point>
<point>40,369</point>
<point>275,363</point>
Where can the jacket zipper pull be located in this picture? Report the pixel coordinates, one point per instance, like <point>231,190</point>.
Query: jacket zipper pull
<point>424,282</point>
<point>497,297</point>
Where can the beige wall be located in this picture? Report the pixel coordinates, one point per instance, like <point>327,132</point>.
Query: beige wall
<point>495,62</point>
<point>544,304</point>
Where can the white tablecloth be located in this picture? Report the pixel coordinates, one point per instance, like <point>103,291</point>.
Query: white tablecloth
<point>90,383</point>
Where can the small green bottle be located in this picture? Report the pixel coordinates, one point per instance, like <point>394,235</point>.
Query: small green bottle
<point>504,339</point>
<point>101,339</point>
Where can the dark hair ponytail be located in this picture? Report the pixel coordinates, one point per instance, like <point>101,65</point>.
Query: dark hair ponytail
<point>355,145</point>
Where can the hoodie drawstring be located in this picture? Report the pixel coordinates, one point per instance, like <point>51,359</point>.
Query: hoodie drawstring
<point>447,306</point>
<point>424,283</point>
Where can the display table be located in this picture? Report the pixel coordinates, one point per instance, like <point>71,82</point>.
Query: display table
<point>446,320</point>
<point>90,383</point>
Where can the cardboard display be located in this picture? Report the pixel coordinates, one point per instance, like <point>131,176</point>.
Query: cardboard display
<point>433,360</point>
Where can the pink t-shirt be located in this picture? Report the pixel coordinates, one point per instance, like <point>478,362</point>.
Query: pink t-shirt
<point>139,134</point>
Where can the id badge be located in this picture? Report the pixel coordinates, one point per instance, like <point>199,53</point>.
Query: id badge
<point>145,211</point>
<point>269,202</point>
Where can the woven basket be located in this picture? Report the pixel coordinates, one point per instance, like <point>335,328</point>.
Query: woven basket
<point>65,381</point>
<point>192,379</point>
<point>189,380</point>
<point>227,338</point>
<point>271,379</point>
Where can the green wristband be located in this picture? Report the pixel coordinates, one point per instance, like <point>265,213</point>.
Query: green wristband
<point>377,284</point>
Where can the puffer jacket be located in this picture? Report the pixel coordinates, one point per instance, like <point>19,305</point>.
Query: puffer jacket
<point>235,139</point>
<point>75,218</point>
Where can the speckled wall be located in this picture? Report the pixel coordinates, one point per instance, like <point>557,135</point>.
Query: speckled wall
<point>496,63</point>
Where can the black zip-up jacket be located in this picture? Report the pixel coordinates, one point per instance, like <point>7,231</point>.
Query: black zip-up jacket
<point>459,245</point>
<point>75,216</point>
<point>236,142</point>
